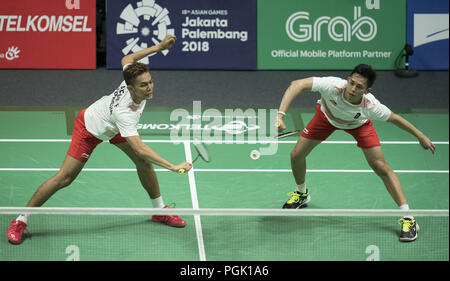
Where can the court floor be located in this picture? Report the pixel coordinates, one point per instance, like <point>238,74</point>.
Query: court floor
<point>33,143</point>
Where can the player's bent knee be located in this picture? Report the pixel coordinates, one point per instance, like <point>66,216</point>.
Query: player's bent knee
<point>63,180</point>
<point>138,160</point>
<point>381,168</point>
<point>141,164</point>
<point>297,154</point>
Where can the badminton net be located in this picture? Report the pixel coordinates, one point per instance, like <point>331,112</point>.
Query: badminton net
<point>225,235</point>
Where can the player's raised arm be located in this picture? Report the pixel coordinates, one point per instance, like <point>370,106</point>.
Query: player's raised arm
<point>165,44</point>
<point>294,89</point>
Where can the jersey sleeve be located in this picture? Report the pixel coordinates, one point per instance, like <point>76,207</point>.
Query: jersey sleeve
<point>126,122</point>
<point>326,85</point>
<point>379,112</point>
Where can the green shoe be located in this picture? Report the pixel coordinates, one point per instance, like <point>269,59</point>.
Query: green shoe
<point>409,229</point>
<point>297,200</point>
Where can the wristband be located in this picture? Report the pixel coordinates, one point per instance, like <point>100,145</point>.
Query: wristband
<point>282,113</point>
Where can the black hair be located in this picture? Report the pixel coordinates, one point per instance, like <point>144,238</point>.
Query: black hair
<point>367,72</point>
<point>134,70</point>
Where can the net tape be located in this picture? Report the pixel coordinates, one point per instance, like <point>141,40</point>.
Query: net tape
<point>221,211</point>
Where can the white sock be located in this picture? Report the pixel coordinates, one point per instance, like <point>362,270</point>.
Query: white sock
<point>158,202</point>
<point>301,188</point>
<point>405,207</point>
<point>23,217</point>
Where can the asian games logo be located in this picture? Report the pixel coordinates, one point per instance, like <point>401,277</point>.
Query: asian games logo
<point>147,25</point>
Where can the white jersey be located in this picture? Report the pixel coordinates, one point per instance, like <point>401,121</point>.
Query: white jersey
<point>343,114</point>
<point>113,114</point>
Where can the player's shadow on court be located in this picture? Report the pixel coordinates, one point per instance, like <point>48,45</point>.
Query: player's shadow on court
<point>331,225</point>
<point>98,229</point>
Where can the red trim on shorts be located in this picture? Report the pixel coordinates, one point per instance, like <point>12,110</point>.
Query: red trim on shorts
<point>117,139</point>
<point>83,142</point>
<point>319,128</point>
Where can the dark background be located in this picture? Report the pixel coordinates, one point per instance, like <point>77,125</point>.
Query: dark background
<point>178,88</point>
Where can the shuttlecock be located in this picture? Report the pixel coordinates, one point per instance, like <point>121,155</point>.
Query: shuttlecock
<point>255,154</point>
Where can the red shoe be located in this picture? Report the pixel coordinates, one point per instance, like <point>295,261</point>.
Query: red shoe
<point>15,231</point>
<point>171,220</point>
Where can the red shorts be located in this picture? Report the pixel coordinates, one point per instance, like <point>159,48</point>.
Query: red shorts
<point>319,128</point>
<point>83,142</point>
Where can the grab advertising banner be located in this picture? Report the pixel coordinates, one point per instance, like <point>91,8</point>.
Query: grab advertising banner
<point>48,34</point>
<point>428,34</point>
<point>210,34</point>
<point>330,34</point>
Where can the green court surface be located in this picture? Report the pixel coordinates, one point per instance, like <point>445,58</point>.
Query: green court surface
<point>33,143</point>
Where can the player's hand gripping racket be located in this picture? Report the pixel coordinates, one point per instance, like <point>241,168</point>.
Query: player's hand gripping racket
<point>287,134</point>
<point>202,152</point>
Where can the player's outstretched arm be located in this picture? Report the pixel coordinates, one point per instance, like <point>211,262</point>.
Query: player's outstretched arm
<point>150,156</point>
<point>294,89</point>
<point>403,124</point>
<point>165,44</point>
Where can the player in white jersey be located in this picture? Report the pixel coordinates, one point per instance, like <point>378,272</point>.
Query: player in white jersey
<point>113,118</point>
<point>348,105</point>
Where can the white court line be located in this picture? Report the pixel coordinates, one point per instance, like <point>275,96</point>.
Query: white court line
<point>226,170</point>
<point>317,171</point>
<point>224,141</point>
<point>194,198</point>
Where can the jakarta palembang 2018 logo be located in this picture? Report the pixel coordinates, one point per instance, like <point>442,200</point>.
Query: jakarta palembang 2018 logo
<point>146,25</point>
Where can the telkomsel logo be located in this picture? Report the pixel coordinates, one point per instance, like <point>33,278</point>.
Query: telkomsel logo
<point>339,28</point>
<point>147,24</point>
<point>11,54</point>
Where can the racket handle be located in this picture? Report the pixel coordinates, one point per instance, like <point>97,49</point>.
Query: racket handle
<point>181,171</point>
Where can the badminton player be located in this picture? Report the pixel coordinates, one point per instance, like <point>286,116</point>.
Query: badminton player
<point>348,105</point>
<point>112,118</point>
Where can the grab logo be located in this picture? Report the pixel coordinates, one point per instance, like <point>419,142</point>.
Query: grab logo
<point>146,25</point>
<point>339,28</point>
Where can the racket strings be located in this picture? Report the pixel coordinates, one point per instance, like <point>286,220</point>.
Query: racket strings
<point>203,152</point>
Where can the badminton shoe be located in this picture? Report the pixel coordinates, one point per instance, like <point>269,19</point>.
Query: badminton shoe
<point>409,229</point>
<point>15,231</point>
<point>297,200</point>
<point>170,220</point>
